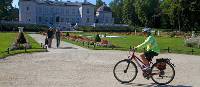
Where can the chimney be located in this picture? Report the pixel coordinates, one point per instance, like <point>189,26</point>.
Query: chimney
<point>85,1</point>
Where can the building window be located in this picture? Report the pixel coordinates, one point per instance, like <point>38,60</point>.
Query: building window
<point>62,19</point>
<point>88,20</point>
<point>29,19</point>
<point>67,12</point>
<point>27,8</point>
<point>51,19</point>
<point>77,21</point>
<point>57,19</point>
<point>46,19</point>
<point>106,20</point>
<point>40,19</point>
<point>78,12</point>
<point>67,20</point>
<point>88,11</point>
<point>73,12</point>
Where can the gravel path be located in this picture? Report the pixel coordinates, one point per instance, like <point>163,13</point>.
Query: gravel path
<point>73,66</point>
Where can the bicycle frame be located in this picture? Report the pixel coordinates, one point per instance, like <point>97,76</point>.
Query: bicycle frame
<point>137,60</point>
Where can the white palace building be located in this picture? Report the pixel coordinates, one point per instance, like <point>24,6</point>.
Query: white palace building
<point>62,14</point>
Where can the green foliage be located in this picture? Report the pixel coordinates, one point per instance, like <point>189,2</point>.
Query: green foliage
<point>129,13</point>
<point>27,27</point>
<point>99,3</point>
<point>67,34</point>
<point>97,38</point>
<point>171,12</point>
<point>105,29</point>
<point>147,10</point>
<point>176,15</point>
<point>116,7</point>
<point>7,12</point>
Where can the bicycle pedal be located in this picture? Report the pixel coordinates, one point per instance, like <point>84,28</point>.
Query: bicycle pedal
<point>146,76</point>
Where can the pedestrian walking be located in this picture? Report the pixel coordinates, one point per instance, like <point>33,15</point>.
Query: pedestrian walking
<point>50,37</point>
<point>58,35</point>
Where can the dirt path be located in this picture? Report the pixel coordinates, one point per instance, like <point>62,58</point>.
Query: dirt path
<point>79,67</point>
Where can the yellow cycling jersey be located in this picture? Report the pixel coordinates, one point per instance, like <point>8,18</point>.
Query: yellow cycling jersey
<point>151,44</point>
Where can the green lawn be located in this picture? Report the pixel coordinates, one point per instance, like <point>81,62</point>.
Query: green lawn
<point>6,40</point>
<point>176,45</point>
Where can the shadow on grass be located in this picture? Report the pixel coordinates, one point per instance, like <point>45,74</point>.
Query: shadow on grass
<point>153,85</point>
<point>22,51</point>
<point>66,48</point>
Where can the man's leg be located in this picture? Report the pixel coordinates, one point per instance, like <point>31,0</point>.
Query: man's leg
<point>58,42</point>
<point>145,61</point>
<point>50,42</point>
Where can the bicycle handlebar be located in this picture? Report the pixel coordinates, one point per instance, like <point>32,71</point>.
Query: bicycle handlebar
<point>133,50</point>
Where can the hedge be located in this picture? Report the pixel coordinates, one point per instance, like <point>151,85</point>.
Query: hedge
<point>27,27</point>
<point>105,29</point>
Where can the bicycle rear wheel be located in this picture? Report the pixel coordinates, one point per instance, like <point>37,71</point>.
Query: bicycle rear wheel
<point>125,71</point>
<point>162,73</point>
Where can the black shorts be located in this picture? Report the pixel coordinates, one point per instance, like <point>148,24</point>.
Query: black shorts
<point>150,54</point>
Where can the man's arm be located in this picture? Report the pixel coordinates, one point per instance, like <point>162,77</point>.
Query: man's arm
<point>144,43</point>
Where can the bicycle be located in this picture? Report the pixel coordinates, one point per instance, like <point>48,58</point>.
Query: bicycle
<point>162,72</point>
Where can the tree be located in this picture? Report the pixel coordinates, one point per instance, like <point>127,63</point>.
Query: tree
<point>182,14</point>
<point>146,10</point>
<point>116,6</point>
<point>13,14</point>
<point>171,12</point>
<point>5,6</point>
<point>129,13</point>
<point>190,9</point>
<point>99,3</point>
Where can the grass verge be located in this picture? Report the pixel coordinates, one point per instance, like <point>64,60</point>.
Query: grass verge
<point>176,45</point>
<point>6,40</point>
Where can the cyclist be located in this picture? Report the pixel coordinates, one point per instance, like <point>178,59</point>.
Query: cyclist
<point>151,46</point>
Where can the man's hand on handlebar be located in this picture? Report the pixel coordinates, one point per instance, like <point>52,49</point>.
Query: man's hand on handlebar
<point>134,49</point>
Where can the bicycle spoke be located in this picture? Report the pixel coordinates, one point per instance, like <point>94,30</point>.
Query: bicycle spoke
<point>163,76</point>
<point>125,71</point>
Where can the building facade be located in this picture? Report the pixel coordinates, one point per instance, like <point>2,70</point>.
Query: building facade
<point>61,14</point>
<point>104,15</point>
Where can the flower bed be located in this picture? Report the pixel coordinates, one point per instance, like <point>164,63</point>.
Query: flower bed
<point>193,42</point>
<point>82,39</point>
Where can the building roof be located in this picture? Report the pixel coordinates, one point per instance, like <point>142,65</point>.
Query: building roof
<point>59,3</point>
<point>104,8</point>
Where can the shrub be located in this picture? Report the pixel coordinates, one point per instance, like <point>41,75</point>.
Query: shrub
<point>67,34</point>
<point>173,34</point>
<point>97,38</point>
<point>27,27</point>
<point>104,29</point>
<point>193,42</point>
<point>21,38</point>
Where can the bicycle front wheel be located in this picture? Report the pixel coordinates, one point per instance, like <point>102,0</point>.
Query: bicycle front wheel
<point>162,73</point>
<point>125,71</point>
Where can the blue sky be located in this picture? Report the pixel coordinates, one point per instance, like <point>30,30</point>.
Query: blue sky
<point>15,2</point>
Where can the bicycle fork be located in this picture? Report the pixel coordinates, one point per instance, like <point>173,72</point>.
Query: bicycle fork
<point>125,71</point>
